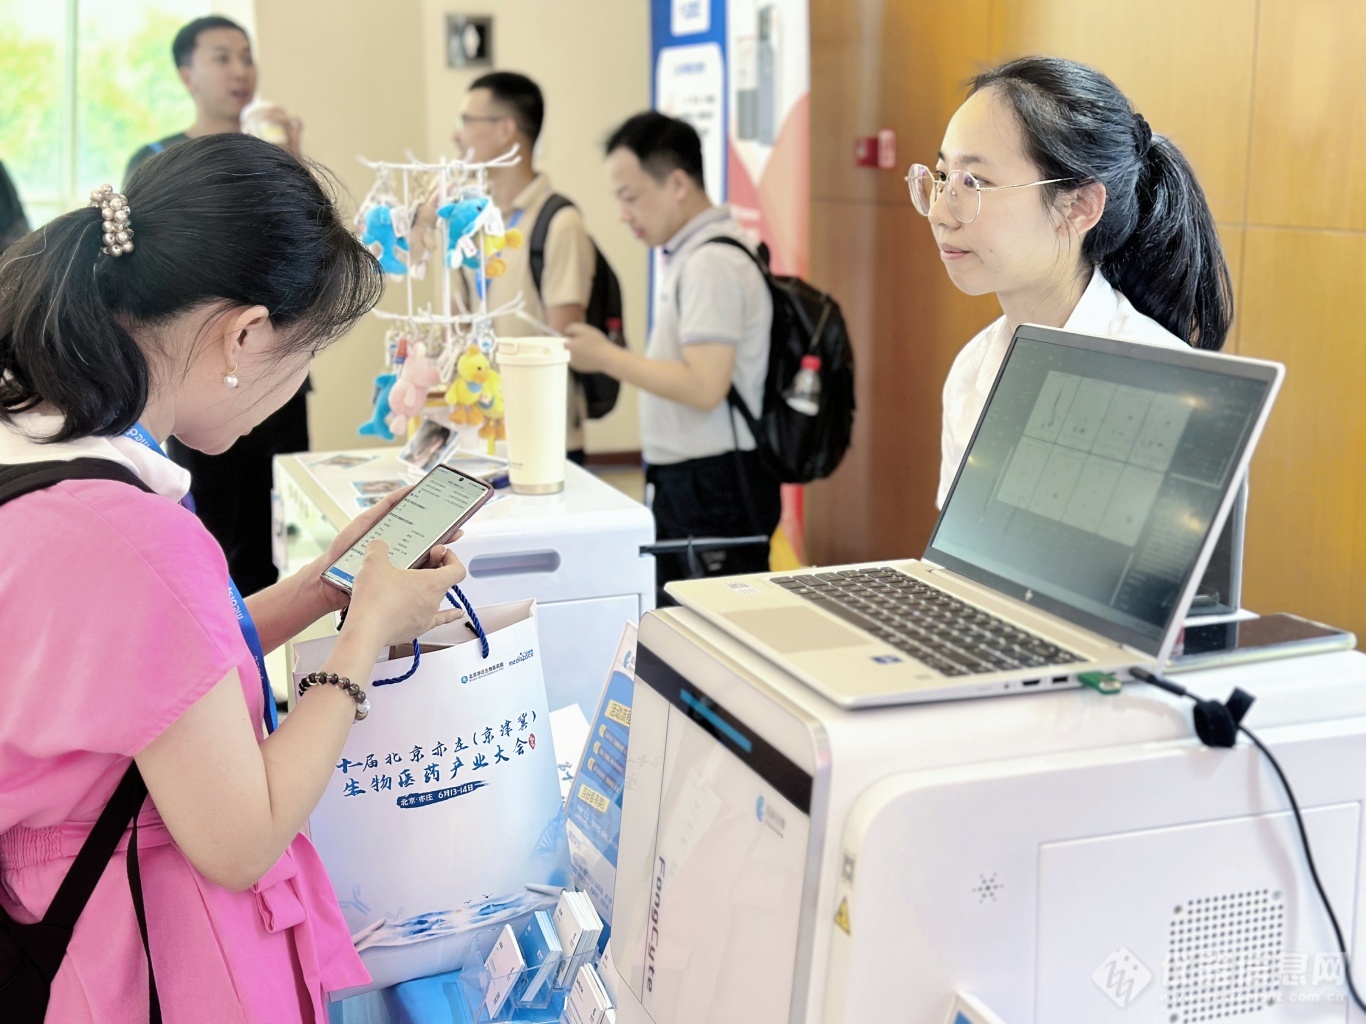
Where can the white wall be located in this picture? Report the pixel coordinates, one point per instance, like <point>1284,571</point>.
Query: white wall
<point>373,80</point>
<point>356,80</point>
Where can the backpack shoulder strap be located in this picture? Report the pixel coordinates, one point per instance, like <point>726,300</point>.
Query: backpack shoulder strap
<point>74,892</point>
<point>539,233</point>
<point>733,398</point>
<point>97,850</point>
<point>16,481</point>
<point>46,942</point>
<point>735,243</point>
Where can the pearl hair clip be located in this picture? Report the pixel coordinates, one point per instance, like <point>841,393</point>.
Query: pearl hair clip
<point>117,227</point>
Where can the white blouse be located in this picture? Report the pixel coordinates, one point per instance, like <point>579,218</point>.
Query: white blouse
<point>1101,310</point>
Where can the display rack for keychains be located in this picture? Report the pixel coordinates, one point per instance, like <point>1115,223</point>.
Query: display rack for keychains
<point>453,179</point>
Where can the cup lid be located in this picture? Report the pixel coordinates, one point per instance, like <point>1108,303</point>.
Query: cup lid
<point>532,351</point>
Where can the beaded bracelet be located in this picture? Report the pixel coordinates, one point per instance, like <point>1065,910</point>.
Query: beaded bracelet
<point>332,679</point>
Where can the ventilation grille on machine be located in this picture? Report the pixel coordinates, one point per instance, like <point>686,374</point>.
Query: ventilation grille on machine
<point>1224,956</point>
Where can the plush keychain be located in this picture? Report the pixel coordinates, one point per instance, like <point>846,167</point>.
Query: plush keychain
<point>494,265</point>
<point>464,220</point>
<point>476,396</point>
<point>376,425</point>
<point>490,405</point>
<point>383,225</point>
<point>382,239</point>
<point>417,375</point>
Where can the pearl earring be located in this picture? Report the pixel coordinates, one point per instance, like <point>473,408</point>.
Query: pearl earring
<point>230,378</point>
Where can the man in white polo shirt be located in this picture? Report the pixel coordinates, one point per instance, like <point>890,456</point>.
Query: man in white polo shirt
<point>711,329</point>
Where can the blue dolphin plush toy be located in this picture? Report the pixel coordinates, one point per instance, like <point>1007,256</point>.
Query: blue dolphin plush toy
<point>376,426</point>
<point>460,218</point>
<point>379,233</point>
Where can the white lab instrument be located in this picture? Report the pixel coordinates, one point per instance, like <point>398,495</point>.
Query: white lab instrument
<point>1059,857</point>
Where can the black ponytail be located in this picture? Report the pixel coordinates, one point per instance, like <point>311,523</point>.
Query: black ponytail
<point>1173,261</point>
<point>1156,241</point>
<point>59,342</point>
<point>221,221</point>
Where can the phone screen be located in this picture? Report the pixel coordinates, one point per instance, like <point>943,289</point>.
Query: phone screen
<point>441,501</point>
<point>1267,631</point>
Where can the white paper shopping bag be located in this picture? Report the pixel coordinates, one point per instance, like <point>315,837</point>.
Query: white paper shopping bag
<point>445,802</point>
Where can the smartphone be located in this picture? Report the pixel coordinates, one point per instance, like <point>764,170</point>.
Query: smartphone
<point>429,514</point>
<point>1269,636</point>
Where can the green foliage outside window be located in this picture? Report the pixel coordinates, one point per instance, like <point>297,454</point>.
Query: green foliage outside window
<point>127,94</point>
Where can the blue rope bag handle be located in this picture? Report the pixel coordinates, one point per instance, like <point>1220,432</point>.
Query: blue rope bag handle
<point>472,623</point>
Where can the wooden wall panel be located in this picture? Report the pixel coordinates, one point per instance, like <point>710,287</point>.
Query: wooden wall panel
<point>1232,237</point>
<point>1261,95</point>
<point>1304,297</point>
<point>1186,66</point>
<point>1308,130</point>
<point>907,322</point>
<point>898,65</point>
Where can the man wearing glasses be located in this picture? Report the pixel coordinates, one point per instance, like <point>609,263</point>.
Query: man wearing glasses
<point>502,110</point>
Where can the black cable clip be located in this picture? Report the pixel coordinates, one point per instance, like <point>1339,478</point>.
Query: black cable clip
<point>1217,724</point>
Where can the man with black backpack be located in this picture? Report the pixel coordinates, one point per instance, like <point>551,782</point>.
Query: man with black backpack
<point>711,331</point>
<point>559,273</point>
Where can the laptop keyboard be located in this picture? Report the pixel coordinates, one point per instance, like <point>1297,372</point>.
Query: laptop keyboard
<point>950,636</point>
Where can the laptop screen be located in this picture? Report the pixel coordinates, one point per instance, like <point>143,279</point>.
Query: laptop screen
<point>1095,476</point>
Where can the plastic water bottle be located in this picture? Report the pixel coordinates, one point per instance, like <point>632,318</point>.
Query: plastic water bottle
<point>805,393</point>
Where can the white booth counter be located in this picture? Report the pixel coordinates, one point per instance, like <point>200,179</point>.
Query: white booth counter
<point>1064,858</point>
<point>576,552</point>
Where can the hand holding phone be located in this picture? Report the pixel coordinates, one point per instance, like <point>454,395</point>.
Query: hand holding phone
<point>430,514</point>
<point>391,606</point>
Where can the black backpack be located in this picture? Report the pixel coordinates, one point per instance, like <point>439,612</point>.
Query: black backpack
<point>795,447</point>
<point>30,954</point>
<point>604,304</point>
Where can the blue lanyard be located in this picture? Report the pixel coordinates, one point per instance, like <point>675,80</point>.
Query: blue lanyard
<point>250,634</point>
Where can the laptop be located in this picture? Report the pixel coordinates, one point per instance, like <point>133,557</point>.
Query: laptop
<point>1084,514</point>
<point>1220,593</point>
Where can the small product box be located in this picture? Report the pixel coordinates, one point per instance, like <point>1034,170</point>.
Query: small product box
<point>505,965</point>
<point>587,1002</point>
<point>579,928</point>
<point>542,952</point>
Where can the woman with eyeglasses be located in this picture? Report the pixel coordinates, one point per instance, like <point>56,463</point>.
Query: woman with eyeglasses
<point>1052,192</point>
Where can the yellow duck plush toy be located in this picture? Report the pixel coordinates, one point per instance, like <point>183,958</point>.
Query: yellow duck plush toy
<point>494,264</point>
<point>472,372</point>
<point>490,403</point>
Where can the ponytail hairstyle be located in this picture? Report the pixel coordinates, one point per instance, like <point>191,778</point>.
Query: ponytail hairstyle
<point>1156,240</point>
<point>221,221</point>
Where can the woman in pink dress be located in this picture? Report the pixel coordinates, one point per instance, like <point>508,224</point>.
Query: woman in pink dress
<point>119,639</point>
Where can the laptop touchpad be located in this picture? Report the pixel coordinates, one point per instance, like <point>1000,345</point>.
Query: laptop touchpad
<point>791,630</point>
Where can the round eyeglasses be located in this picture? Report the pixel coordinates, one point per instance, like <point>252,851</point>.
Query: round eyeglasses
<point>961,190</point>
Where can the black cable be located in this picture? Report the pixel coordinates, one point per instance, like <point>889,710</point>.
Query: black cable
<point>1234,718</point>
<point>1313,870</point>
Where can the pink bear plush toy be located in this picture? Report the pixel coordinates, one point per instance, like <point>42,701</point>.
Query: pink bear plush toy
<point>417,376</point>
